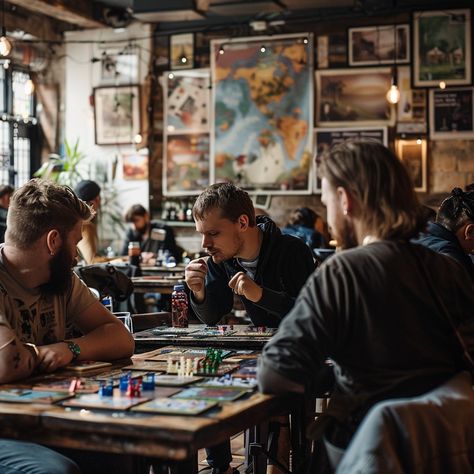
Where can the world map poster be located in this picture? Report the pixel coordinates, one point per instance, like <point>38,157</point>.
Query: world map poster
<point>262,92</point>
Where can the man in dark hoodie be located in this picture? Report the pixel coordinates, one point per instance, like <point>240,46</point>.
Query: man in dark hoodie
<point>248,256</point>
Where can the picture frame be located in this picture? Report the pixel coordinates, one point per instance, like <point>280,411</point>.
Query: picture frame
<point>120,66</point>
<point>181,49</point>
<point>452,113</point>
<point>413,154</point>
<point>353,97</point>
<point>116,114</point>
<point>412,109</point>
<point>261,135</point>
<point>186,139</point>
<point>331,50</point>
<point>442,48</point>
<point>325,138</point>
<point>376,45</point>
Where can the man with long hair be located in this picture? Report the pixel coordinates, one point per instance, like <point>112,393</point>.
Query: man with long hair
<point>374,308</point>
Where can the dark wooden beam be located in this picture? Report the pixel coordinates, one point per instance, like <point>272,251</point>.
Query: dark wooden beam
<point>41,27</point>
<point>76,12</point>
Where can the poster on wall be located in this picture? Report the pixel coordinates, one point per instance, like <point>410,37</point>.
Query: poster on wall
<point>452,114</point>
<point>186,132</point>
<point>442,47</point>
<point>325,138</point>
<point>262,99</point>
<point>353,97</point>
<point>135,165</point>
<point>412,154</point>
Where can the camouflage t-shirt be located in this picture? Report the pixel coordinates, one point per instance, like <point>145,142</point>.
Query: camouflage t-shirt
<point>40,319</point>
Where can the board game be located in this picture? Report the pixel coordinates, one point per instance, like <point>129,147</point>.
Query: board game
<point>217,394</point>
<point>23,395</point>
<point>175,406</point>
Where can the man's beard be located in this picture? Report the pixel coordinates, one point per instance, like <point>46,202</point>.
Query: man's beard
<point>60,272</point>
<point>346,238</point>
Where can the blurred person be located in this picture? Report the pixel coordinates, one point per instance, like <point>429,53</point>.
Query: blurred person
<point>152,235</point>
<point>302,224</point>
<point>5,194</point>
<point>89,192</point>
<point>248,257</point>
<point>379,308</point>
<point>452,233</point>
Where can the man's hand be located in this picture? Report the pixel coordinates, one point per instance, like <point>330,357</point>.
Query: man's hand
<point>243,285</point>
<point>53,356</point>
<point>148,257</point>
<point>194,275</point>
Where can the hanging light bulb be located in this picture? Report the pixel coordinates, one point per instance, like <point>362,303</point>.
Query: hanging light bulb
<point>262,48</point>
<point>393,94</point>
<point>5,44</point>
<point>221,50</point>
<point>442,85</point>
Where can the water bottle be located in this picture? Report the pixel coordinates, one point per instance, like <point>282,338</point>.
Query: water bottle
<point>179,307</point>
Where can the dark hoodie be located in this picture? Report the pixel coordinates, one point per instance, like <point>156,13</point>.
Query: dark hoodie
<point>284,264</point>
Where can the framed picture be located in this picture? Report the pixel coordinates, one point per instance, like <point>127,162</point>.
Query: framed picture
<point>412,106</point>
<point>116,114</point>
<point>451,114</point>
<point>412,153</point>
<point>135,165</point>
<point>375,45</point>
<point>331,50</point>
<point>186,132</point>
<point>354,97</point>
<point>120,66</point>
<point>262,100</point>
<point>182,51</point>
<point>325,138</point>
<point>187,164</point>
<point>442,47</point>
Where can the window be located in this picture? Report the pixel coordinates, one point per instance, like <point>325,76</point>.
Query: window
<point>17,126</point>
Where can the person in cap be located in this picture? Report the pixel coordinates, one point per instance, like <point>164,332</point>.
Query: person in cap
<point>5,194</point>
<point>89,192</point>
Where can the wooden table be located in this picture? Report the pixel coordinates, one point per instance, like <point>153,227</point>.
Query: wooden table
<point>174,439</point>
<point>153,338</point>
<point>155,284</point>
<point>162,270</point>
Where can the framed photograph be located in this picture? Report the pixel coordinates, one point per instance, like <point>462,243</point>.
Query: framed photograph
<point>262,100</point>
<point>325,138</point>
<point>186,132</point>
<point>182,51</point>
<point>186,101</point>
<point>187,164</point>
<point>116,114</point>
<point>135,165</point>
<point>451,114</point>
<point>375,45</point>
<point>331,50</point>
<point>442,47</point>
<point>120,66</point>
<point>412,153</point>
<point>412,106</point>
<point>354,97</point>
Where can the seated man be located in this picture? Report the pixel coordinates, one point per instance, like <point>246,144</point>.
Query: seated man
<point>153,236</point>
<point>249,257</point>
<point>452,233</point>
<point>42,300</point>
<point>380,308</point>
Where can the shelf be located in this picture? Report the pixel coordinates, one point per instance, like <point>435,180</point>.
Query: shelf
<point>179,223</point>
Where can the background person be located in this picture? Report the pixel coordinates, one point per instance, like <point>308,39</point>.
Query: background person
<point>89,191</point>
<point>5,194</point>
<point>302,224</point>
<point>152,235</point>
<point>374,308</point>
<point>452,233</point>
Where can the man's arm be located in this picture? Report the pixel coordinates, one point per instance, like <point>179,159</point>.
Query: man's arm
<point>106,338</point>
<point>17,360</point>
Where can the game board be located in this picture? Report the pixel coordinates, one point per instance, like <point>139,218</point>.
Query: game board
<point>23,395</point>
<point>86,365</point>
<point>61,384</point>
<point>175,406</point>
<point>217,394</point>
<point>175,380</point>
<point>229,382</point>
<point>118,401</point>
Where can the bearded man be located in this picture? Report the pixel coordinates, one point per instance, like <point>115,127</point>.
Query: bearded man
<point>41,299</point>
<point>382,309</point>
